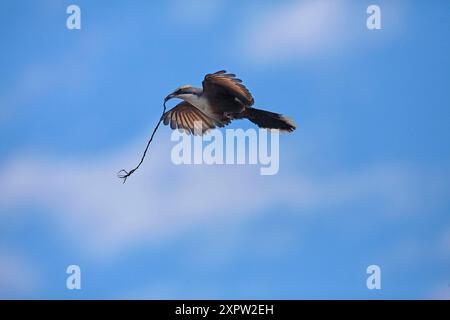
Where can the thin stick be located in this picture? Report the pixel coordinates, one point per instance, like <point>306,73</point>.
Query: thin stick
<point>124,174</point>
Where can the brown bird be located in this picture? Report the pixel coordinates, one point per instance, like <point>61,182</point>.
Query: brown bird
<point>222,99</point>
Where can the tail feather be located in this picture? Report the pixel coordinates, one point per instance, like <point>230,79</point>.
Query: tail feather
<point>269,120</point>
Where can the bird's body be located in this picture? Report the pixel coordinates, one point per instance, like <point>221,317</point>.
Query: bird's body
<point>222,99</point>
<point>201,103</point>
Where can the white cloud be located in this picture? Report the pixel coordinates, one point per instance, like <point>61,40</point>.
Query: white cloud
<point>85,198</point>
<point>298,30</point>
<point>17,275</point>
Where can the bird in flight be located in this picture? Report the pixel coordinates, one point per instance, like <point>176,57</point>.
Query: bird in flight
<point>222,99</point>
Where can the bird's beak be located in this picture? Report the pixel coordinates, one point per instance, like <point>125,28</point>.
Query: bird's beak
<point>170,96</point>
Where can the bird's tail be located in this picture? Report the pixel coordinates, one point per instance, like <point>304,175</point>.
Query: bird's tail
<point>268,120</point>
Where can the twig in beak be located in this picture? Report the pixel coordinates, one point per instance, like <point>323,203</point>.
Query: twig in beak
<point>124,174</point>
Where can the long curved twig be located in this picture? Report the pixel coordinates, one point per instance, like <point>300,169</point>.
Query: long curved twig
<point>124,174</point>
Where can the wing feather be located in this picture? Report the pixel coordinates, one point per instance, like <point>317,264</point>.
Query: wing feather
<point>223,85</point>
<point>184,116</point>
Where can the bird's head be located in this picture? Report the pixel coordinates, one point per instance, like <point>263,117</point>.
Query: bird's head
<point>184,92</point>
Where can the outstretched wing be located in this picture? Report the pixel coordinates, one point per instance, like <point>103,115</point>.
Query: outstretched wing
<point>186,117</point>
<point>225,87</point>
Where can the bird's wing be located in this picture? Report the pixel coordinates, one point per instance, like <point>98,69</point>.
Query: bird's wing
<point>190,119</point>
<point>222,85</point>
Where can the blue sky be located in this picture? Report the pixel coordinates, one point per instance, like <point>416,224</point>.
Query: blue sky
<point>363,180</point>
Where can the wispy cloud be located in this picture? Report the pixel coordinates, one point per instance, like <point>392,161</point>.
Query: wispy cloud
<point>299,30</point>
<point>295,28</point>
<point>18,276</point>
<point>163,200</point>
